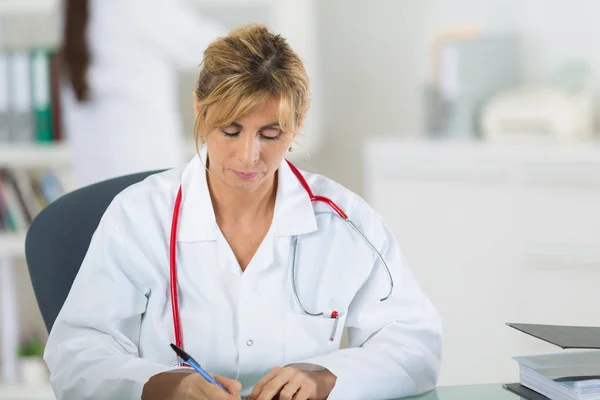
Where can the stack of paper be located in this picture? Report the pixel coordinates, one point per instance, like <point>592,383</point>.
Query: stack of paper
<point>562,376</point>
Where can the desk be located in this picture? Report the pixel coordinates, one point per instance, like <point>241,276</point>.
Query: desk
<point>475,392</point>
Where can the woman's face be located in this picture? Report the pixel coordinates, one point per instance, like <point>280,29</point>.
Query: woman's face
<point>246,154</point>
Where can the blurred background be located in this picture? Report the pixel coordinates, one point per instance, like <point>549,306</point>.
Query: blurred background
<point>470,125</point>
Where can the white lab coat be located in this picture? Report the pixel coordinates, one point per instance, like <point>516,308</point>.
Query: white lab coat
<point>114,330</point>
<point>132,122</point>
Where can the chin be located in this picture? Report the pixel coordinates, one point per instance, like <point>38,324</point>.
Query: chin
<point>240,184</point>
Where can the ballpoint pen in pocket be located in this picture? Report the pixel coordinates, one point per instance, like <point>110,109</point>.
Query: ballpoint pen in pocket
<point>194,364</point>
<point>335,316</point>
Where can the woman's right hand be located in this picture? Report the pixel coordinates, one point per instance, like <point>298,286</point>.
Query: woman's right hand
<point>189,386</point>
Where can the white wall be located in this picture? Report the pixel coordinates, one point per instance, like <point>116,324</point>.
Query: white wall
<point>556,30</point>
<point>369,78</point>
<point>375,61</point>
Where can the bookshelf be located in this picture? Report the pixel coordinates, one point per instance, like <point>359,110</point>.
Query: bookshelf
<point>16,7</point>
<point>12,245</point>
<point>51,156</point>
<point>27,153</point>
<point>34,155</point>
<point>15,392</point>
<point>54,156</point>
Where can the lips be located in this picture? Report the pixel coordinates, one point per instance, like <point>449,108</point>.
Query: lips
<point>245,175</point>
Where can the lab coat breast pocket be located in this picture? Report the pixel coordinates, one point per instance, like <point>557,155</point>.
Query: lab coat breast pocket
<point>307,336</point>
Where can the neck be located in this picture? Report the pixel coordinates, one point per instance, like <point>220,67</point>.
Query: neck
<point>235,206</point>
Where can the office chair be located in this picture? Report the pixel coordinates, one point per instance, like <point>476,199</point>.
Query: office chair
<point>59,236</point>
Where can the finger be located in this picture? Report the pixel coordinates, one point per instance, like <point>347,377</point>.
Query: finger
<point>232,386</point>
<point>306,392</point>
<point>289,390</point>
<point>273,388</point>
<point>215,393</point>
<point>259,386</point>
<point>207,390</point>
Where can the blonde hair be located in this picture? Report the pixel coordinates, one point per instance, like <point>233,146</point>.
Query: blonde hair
<point>248,66</point>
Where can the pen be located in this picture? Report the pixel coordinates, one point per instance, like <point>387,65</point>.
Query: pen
<point>188,359</point>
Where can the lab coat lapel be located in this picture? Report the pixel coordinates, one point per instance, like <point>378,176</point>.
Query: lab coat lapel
<point>293,215</point>
<point>197,218</point>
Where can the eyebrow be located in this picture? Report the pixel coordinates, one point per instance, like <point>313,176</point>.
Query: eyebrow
<point>271,125</point>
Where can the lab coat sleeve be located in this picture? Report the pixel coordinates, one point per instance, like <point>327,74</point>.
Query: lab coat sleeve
<point>395,345</point>
<point>92,348</point>
<point>180,32</point>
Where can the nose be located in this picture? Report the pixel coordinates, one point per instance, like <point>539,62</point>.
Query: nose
<point>249,150</point>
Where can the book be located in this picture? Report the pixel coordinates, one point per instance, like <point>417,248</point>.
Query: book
<point>40,94</point>
<point>24,193</point>
<point>21,115</point>
<point>568,375</point>
<point>562,376</point>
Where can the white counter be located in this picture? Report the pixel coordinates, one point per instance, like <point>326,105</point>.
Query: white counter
<point>494,234</point>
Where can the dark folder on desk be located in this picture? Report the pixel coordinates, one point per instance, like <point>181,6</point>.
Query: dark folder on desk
<point>566,337</point>
<point>524,392</point>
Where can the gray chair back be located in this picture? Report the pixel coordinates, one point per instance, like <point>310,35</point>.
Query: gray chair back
<point>59,237</point>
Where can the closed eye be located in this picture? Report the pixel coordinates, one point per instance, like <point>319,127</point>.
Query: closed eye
<point>270,133</point>
<point>230,132</point>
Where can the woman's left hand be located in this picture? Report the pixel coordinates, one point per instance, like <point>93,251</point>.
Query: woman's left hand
<point>290,383</point>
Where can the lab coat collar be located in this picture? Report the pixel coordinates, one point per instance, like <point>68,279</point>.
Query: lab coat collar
<point>197,220</point>
<point>293,214</point>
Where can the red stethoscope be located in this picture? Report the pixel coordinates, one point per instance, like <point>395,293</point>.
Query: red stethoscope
<point>334,314</point>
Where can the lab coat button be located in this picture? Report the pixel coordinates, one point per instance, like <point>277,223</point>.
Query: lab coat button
<point>249,342</point>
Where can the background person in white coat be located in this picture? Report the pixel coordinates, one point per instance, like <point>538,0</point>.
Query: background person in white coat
<point>120,104</point>
<point>247,230</point>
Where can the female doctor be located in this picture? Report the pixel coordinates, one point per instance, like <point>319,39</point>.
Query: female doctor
<point>245,262</point>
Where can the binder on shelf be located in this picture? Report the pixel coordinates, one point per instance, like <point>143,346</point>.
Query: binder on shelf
<point>40,94</point>
<point>4,99</point>
<point>560,376</point>
<point>30,106</point>
<point>21,117</point>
